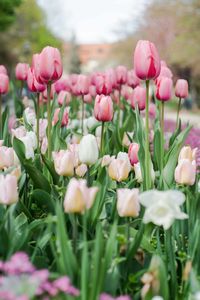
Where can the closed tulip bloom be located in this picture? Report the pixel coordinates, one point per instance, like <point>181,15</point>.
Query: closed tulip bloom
<point>63,84</point>
<point>103,84</point>
<point>138,97</point>
<point>21,71</point>
<point>185,172</point>
<point>118,169</point>
<point>87,98</point>
<point>3,70</point>
<point>64,97</point>
<point>33,84</point>
<point>82,85</point>
<point>88,150</point>
<point>121,74</point>
<point>65,117</point>
<point>128,202</point>
<point>133,153</point>
<point>113,77</point>
<point>181,88</point>
<point>146,60</point>
<point>132,79</point>
<point>81,170</point>
<point>103,108</point>
<point>49,65</point>
<point>64,162</point>
<point>188,153</point>
<point>164,89</point>
<point>7,157</point>
<point>79,197</point>
<point>8,189</point>
<point>4,83</point>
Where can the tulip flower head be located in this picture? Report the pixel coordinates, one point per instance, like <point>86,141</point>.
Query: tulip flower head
<point>88,150</point>
<point>162,207</point>
<point>181,88</point>
<point>103,108</point>
<point>138,97</point>
<point>119,169</point>
<point>164,88</point>
<point>128,202</point>
<point>21,71</point>
<point>185,172</point>
<point>8,189</point>
<point>64,162</point>
<point>133,153</point>
<point>4,84</point>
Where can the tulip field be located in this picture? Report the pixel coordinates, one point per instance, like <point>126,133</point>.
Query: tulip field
<point>99,191</point>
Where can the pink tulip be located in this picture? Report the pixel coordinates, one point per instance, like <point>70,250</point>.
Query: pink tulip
<point>63,84</point>
<point>4,83</point>
<point>64,96</point>
<point>8,189</point>
<point>121,74</point>
<point>49,65</point>
<point>92,90</point>
<point>111,73</point>
<point>82,85</point>
<point>21,71</point>
<point>146,60</point>
<point>103,84</point>
<point>103,108</point>
<point>119,169</point>
<point>164,89</point>
<point>64,162</point>
<point>87,98</point>
<point>126,92</point>
<point>6,157</point>
<point>132,79</point>
<point>185,172</point>
<point>181,88</point>
<point>128,202</point>
<point>65,117</point>
<point>152,110</point>
<point>73,79</point>
<point>32,83</point>
<point>81,170</point>
<point>138,97</point>
<point>3,70</point>
<point>133,153</point>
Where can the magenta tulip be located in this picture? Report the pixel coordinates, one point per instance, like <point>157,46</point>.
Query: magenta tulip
<point>146,60</point>
<point>138,97</point>
<point>21,71</point>
<point>181,88</point>
<point>4,83</point>
<point>103,108</point>
<point>164,89</point>
<point>133,153</point>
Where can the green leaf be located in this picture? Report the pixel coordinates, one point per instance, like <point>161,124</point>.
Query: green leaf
<point>43,201</point>
<point>49,164</point>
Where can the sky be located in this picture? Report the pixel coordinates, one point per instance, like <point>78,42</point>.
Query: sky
<point>92,21</point>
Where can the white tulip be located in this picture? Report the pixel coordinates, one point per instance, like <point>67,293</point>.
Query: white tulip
<point>30,116</point>
<point>162,207</point>
<point>30,143</point>
<point>88,151</point>
<point>138,173</point>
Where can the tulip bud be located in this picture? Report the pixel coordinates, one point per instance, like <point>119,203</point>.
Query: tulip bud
<point>121,74</point>
<point>138,97</point>
<point>82,85</point>
<point>181,88</point>
<point>103,108</point>
<point>132,79</point>
<point>188,153</point>
<point>128,202</point>
<point>64,162</point>
<point>21,71</point>
<point>63,84</point>
<point>164,89</point>
<point>81,170</point>
<point>119,169</point>
<point>78,196</point>
<point>8,189</point>
<point>88,150</point>
<point>133,153</point>
<point>3,70</point>
<point>103,84</point>
<point>146,60</point>
<point>4,83</point>
<point>185,172</point>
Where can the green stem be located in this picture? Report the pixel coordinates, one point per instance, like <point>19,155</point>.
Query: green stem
<point>82,119</point>
<point>88,176</point>
<point>128,234</point>
<point>38,121</point>
<point>136,243</point>
<point>49,118</point>
<point>21,89</point>
<point>162,137</point>
<point>102,139</point>
<point>178,111</point>
<point>147,162</point>
<point>75,232</point>
<point>1,135</point>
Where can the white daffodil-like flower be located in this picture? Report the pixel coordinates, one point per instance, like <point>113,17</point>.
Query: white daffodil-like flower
<point>162,207</point>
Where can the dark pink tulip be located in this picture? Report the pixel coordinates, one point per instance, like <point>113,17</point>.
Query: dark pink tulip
<point>49,65</point>
<point>146,60</point>
<point>65,117</point>
<point>64,96</point>
<point>82,85</point>
<point>33,84</point>
<point>132,79</point>
<point>181,88</point>
<point>164,89</point>
<point>21,71</point>
<point>138,97</point>
<point>133,153</point>
<point>103,84</point>
<point>63,84</point>
<point>121,74</point>
<point>87,98</point>
<point>4,84</point>
<point>103,108</point>
<point>3,70</point>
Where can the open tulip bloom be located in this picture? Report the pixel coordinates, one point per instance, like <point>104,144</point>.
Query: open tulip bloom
<point>94,187</point>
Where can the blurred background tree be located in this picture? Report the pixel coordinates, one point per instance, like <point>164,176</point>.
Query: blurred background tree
<point>27,35</point>
<point>7,12</point>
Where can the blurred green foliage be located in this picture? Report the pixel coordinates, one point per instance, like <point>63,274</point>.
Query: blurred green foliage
<point>27,35</point>
<point>7,12</point>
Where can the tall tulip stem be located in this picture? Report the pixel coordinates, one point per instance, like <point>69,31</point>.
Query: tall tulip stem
<point>102,139</point>
<point>1,134</point>
<point>178,111</point>
<point>38,120</point>
<point>82,119</point>
<point>147,162</point>
<point>162,136</point>
<point>49,118</point>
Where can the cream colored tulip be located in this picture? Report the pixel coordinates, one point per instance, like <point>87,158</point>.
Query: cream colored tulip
<point>119,169</point>
<point>64,162</point>
<point>188,153</point>
<point>185,172</point>
<point>128,202</point>
<point>81,170</point>
<point>8,189</point>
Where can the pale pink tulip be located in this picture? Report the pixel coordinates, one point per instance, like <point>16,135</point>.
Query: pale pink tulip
<point>138,97</point>
<point>164,88</point>
<point>81,170</point>
<point>8,189</point>
<point>87,98</point>
<point>106,160</point>
<point>188,153</point>
<point>21,71</point>
<point>185,172</point>
<point>132,79</point>
<point>118,169</point>
<point>63,84</point>
<point>4,83</point>
<point>128,202</point>
<point>146,60</point>
<point>82,85</point>
<point>6,157</point>
<point>63,162</point>
<point>133,153</point>
<point>103,108</point>
<point>121,74</point>
<point>64,96</point>
<point>181,88</point>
